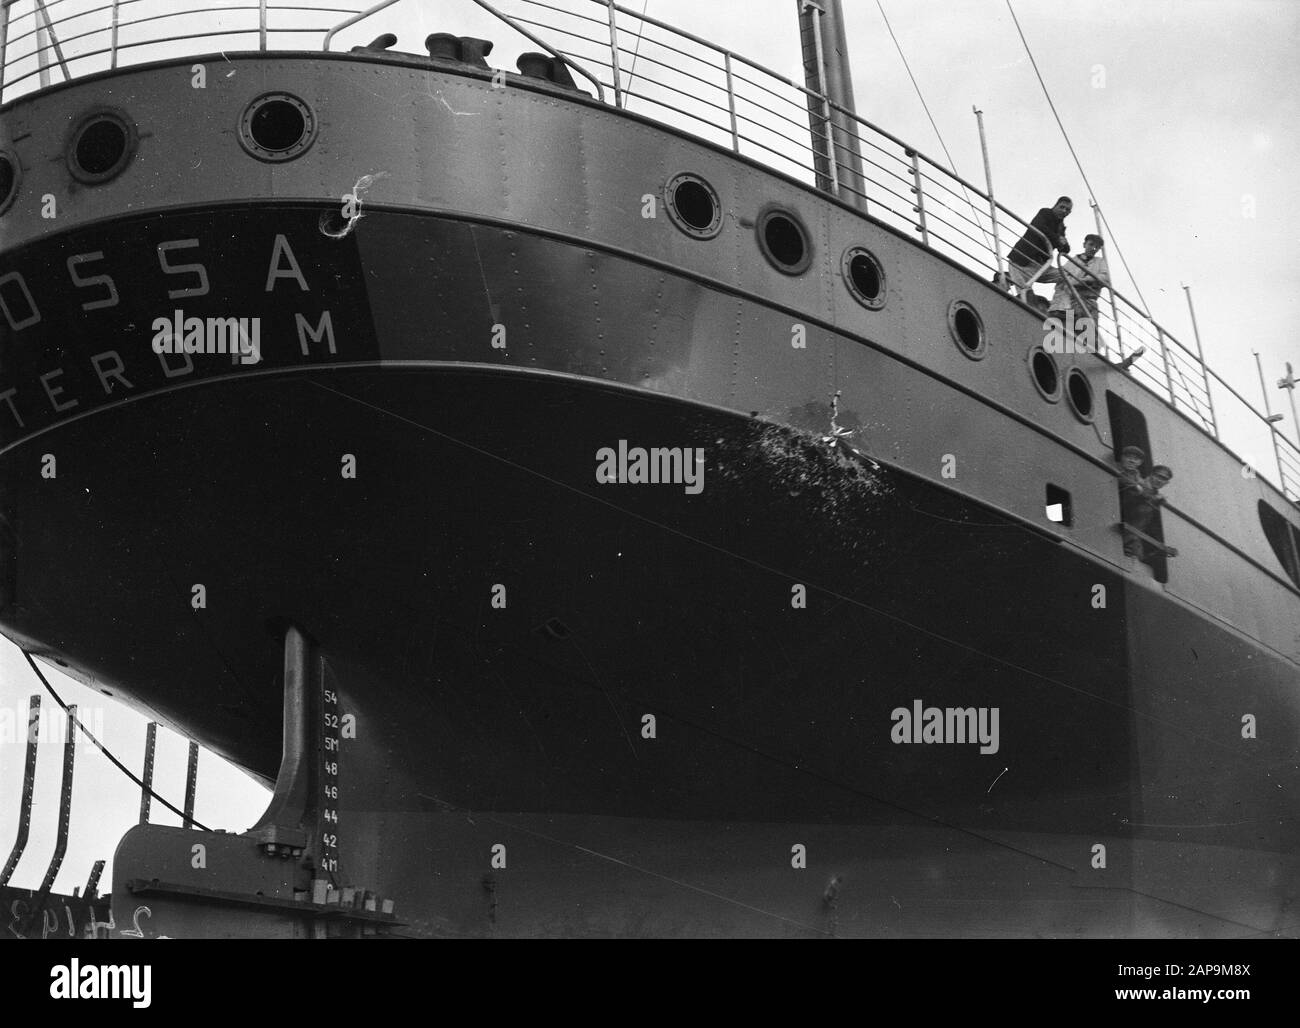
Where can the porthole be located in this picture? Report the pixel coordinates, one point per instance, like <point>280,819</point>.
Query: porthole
<point>864,276</point>
<point>784,241</point>
<point>10,176</point>
<point>101,145</point>
<point>277,127</point>
<point>694,206</point>
<point>967,329</point>
<point>1079,392</point>
<point>1044,372</point>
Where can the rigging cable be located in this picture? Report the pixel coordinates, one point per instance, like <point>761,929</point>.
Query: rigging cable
<point>952,166</point>
<point>104,749</point>
<point>1077,163</point>
<point>631,72</point>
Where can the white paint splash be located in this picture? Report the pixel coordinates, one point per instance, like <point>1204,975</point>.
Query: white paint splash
<point>351,202</point>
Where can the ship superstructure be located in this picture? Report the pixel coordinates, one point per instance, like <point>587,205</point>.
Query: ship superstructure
<point>510,693</point>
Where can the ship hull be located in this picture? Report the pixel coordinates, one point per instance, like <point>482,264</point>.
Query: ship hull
<point>676,710</point>
<point>774,724</point>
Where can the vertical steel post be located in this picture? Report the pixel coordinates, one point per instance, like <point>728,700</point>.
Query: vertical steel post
<point>1169,378</point>
<point>4,42</point>
<point>1288,384</point>
<point>839,93</point>
<point>113,39</point>
<point>45,28</point>
<point>826,104</point>
<point>261,25</point>
<point>920,197</point>
<point>42,45</point>
<point>146,789</point>
<point>1263,389</point>
<point>1114,308</point>
<point>613,53</point>
<point>29,780</point>
<point>92,883</point>
<point>65,801</point>
<point>993,206</point>
<point>191,784</point>
<point>1200,358</point>
<point>731,103</point>
<point>816,96</point>
<point>1268,419</point>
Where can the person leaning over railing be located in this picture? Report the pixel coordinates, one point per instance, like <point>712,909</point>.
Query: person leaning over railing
<point>1137,539</point>
<point>1045,234</point>
<point>1138,499</point>
<point>1079,282</point>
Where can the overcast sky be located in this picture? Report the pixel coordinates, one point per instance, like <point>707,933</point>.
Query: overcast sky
<point>1183,112</point>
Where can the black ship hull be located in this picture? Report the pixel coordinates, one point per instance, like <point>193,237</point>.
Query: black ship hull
<point>676,710</point>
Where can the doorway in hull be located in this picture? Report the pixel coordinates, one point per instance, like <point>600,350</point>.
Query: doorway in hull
<point>1284,538</point>
<point>1128,427</point>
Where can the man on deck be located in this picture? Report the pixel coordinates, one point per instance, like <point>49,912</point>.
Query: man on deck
<point>1045,234</point>
<point>1081,280</point>
<point>1079,283</point>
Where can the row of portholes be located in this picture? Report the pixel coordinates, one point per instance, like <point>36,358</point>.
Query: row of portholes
<point>967,329</point>
<point>1047,379</point>
<point>280,126</point>
<point>694,207</point>
<point>274,127</point>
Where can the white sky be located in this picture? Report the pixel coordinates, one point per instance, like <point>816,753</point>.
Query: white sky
<point>1198,110</point>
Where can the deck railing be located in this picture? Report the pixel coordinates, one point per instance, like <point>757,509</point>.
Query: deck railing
<point>662,72</point>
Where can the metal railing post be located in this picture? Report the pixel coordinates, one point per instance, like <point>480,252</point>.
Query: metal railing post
<point>731,103</point>
<point>999,267</point>
<point>834,162</point>
<point>920,198</point>
<point>832,156</point>
<point>832,159</point>
<point>42,45</point>
<point>261,25</point>
<point>54,44</point>
<point>613,53</point>
<point>112,46</point>
<point>1200,360</point>
<point>1288,384</point>
<point>1268,417</point>
<point>4,42</point>
<point>1114,308</point>
<point>1169,377</point>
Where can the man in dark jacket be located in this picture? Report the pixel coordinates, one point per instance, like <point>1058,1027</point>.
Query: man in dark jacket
<point>1046,233</point>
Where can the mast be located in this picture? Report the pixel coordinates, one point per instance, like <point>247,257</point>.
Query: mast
<point>826,74</point>
<point>42,47</point>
